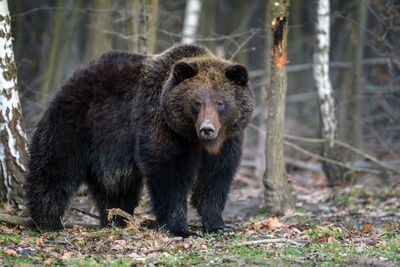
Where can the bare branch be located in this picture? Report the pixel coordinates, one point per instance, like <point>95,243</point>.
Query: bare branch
<point>15,220</point>
<point>266,241</point>
<point>309,153</point>
<point>336,65</point>
<point>339,143</point>
<point>342,144</point>
<point>86,213</point>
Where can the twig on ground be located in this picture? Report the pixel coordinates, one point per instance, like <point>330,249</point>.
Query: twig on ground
<point>347,231</point>
<point>118,212</point>
<point>85,225</point>
<point>27,222</point>
<point>15,220</point>
<point>86,213</point>
<point>294,215</point>
<point>266,241</point>
<point>163,247</point>
<point>95,233</point>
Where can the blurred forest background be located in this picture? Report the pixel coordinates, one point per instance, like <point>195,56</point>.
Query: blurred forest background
<point>356,222</point>
<point>51,38</point>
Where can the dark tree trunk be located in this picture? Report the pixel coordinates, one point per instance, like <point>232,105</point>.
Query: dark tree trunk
<point>277,196</point>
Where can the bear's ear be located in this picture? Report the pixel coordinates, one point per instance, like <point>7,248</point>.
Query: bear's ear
<point>183,70</point>
<point>238,73</point>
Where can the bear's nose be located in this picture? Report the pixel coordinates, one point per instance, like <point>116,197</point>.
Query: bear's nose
<point>207,131</point>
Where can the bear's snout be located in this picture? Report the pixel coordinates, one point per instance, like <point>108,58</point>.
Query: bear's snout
<point>207,131</point>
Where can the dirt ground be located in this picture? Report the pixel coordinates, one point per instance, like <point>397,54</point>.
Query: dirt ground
<point>352,225</point>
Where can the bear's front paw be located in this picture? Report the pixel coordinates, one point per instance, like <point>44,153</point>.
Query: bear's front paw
<point>221,230</point>
<point>184,233</point>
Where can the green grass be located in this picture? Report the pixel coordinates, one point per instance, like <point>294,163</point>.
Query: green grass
<point>322,231</point>
<point>8,239</point>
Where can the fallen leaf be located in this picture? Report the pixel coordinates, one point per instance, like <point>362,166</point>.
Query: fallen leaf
<point>11,252</point>
<point>323,239</point>
<point>67,255</point>
<point>119,245</point>
<point>39,241</point>
<point>273,223</point>
<point>367,228</point>
<point>47,262</point>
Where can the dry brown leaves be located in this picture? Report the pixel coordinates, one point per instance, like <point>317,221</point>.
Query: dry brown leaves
<point>272,224</point>
<point>366,230</point>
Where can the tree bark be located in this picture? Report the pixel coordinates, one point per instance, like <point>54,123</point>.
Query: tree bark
<point>277,196</point>
<point>325,94</point>
<point>13,144</point>
<point>256,58</point>
<point>54,52</point>
<point>66,45</point>
<point>97,42</point>
<point>191,21</point>
<point>208,23</point>
<point>356,105</point>
<point>147,25</point>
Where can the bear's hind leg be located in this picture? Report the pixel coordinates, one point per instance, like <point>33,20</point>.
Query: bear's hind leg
<point>48,199</point>
<point>126,198</point>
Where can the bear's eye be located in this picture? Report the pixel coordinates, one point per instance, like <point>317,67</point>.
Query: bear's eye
<point>220,105</point>
<point>197,104</point>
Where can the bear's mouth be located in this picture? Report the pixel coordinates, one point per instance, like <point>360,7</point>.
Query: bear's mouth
<point>212,146</point>
<point>207,132</point>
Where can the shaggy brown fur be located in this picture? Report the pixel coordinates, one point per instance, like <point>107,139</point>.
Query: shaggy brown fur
<point>174,121</point>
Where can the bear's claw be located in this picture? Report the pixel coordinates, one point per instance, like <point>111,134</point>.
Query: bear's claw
<point>222,229</point>
<point>185,234</point>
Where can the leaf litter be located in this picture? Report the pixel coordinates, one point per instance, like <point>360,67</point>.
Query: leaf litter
<point>348,225</point>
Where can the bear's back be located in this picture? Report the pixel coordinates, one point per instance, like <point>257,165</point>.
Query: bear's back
<point>112,74</point>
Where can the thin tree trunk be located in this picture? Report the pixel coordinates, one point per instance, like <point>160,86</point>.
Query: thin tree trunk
<point>256,56</point>
<point>208,22</point>
<point>53,56</point>
<point>66,46</point>
<point>325,93</point>
<point>97,41</point>
<point>356,110</point>
<point>277,196</point>
<point>267,80</point>
<point>191,21</point>
<point>296,35</point>
<point>133,25</point>
<point>346,85</point>
<point>147,25</point>
<point>13,142</point>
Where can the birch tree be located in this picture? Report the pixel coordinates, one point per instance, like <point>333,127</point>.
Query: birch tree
<point>13,144</point>
<point>277,196</point>
<point>324,87</point>
<point>191,21</point>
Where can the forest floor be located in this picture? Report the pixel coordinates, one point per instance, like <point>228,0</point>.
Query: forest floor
<point>352,225</point>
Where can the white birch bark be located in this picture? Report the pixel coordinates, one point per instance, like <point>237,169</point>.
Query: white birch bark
<point>321,71</point>
<point>324,87</point>
<point>191,21</point>
<point>13,144</point>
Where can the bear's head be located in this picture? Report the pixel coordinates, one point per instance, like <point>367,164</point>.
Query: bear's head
<point>207,100</point>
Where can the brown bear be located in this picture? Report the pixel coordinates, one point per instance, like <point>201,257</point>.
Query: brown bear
<point>174,121</point>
